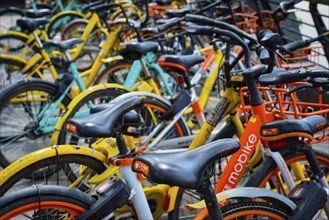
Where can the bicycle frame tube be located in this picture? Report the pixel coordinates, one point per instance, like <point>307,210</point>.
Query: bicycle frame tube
<point>133,74</point>
<point>139,200</point>
<point>210,81</point>
<point>159,70</point>
<point>43,125</point>
<point>111,40</point>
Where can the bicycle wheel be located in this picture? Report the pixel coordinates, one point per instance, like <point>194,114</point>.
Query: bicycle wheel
<point>268,174</point>
<point>254,210</point>
<point>44,202</point>
<point>75,29</point>
<point>22,107</point>
<point>53,170</point>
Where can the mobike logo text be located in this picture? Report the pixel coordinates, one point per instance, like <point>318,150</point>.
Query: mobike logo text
<point>242,161</point>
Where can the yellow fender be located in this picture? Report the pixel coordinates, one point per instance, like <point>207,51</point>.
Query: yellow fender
<point>47,152</point>
<point>75,101</point>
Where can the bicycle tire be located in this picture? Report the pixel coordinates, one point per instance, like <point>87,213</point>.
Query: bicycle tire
<point>18,105</point>
<point>43,202</point>
<point>46,171</point>
<point>253,209</point>
<point>268,168</point>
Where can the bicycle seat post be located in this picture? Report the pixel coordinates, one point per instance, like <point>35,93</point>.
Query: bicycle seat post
<point>210,199</point>
<point>318,173</point>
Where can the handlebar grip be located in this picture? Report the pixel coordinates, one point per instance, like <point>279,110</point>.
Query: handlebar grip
<point>296,45</point>
<point>279,78</point>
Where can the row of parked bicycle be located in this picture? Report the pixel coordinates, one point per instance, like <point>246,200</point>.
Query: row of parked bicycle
<point>105,112</point>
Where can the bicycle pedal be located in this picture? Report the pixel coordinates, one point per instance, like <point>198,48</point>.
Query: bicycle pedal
<point>112,194</point>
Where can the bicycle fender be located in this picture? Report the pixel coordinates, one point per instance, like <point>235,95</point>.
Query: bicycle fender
<point>249,193</point>
<point>75,101</point>
<point>47,152</point>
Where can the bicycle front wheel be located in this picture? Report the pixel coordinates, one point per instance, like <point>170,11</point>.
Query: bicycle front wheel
<point>44,202</point>
<point>254,210</point>
<point>22,107</point>
<point>269,176</point>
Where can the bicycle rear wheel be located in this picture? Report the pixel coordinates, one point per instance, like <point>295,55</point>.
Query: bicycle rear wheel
<point>44,202</point>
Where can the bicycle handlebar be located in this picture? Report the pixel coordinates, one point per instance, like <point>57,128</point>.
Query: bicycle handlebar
<point>304,43</point>
<point>198,19</point>
<point>290,77</point>
<point>224,35</point>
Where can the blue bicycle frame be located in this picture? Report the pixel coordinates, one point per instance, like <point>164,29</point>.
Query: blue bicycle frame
<point>137,67</point>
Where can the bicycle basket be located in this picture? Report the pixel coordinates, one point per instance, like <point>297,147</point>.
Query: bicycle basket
<point>302,58</point>
<point>287,105</point>
<point>246,22</point>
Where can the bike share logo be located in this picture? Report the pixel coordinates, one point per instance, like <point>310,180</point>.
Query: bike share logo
<point>242,160</point>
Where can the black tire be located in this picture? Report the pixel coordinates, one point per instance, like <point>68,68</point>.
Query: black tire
<point>254,210</point>
<point>44,202</point>
<point>50,171</point>
<point>19,105</point>
<point>268,168</point>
